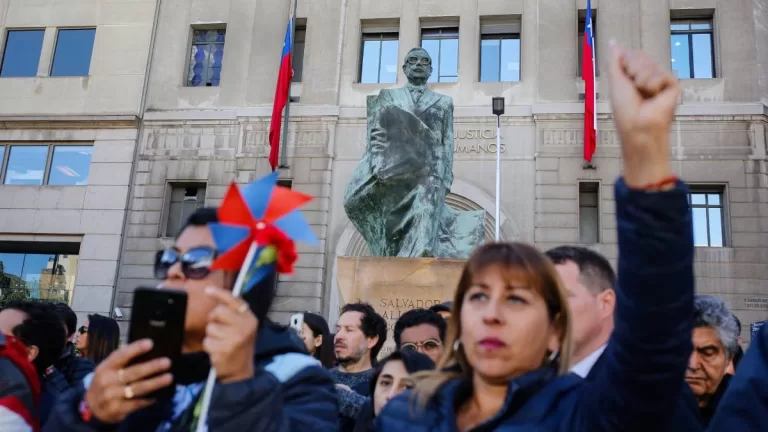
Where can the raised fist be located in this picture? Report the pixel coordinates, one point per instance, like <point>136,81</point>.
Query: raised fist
<point>643,99</point>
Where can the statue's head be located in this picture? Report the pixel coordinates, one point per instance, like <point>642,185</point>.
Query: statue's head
<point>417,66</point>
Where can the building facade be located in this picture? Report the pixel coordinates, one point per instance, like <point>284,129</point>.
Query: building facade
<point>201,120</point>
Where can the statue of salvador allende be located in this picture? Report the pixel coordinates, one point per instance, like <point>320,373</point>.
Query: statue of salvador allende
<point>396,198</point>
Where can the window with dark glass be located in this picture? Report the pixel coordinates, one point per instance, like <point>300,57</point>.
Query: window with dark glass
<point>298,53</point>
<point>708,217</point>
<point>499,50</point>
<point>70,165</point>
<point>46,164</point>
<point>37,271</point>
<point>185,199</point>
<point>379,58</point>
<point>692,48</point>
<point>589,212</point>
<point>442,44</point>
<point>206,57</point>
<point>582,23</point>
<point>72,56</point>
<point>21,53</point>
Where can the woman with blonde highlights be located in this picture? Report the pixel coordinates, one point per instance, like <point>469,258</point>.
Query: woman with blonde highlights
<point>508,341</point>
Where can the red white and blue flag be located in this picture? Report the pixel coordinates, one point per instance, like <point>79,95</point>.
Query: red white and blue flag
<point>590,96</point>
<point>281,95</point>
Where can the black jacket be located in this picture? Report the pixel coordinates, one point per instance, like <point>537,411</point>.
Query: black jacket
<point>74,368</point>
<point>290,391</point>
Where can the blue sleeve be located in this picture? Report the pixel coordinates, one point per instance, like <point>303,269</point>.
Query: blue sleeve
<point>745,404</point>
<point>293,393</point>
<point>350,402</point>
<point>639,385</point>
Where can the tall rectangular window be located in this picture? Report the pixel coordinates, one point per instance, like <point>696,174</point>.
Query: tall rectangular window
<point>589,212</point>
<point>692,48</point>
<point>72,56</point>
<point>379,58</point>
<point>185,199</point>
<point>499,51</point>
<point>442,44</point>
<point>21,55</point>
<point>206,57</point>
<point>298,53</point>
<point>580,43</point>
<point>37,271</point>
<point>708,216</point>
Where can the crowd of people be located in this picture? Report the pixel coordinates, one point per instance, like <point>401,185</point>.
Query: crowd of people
<point>531,340</point>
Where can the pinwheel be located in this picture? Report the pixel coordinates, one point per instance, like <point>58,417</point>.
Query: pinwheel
<point>255,234</point>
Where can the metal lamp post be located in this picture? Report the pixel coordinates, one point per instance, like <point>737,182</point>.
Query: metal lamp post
<point>498,110</point>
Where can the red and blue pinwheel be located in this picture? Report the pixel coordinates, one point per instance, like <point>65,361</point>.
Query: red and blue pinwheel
<point>265,216</point>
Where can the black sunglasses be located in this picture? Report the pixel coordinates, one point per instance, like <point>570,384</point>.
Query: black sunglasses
<point>82,330</point>
<point>195,262</point>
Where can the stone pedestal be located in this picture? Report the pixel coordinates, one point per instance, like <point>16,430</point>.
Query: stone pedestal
<point>394,286</point>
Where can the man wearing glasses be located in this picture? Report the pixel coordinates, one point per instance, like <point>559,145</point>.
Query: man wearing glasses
<point>265,380</point>
<point>421,330</point>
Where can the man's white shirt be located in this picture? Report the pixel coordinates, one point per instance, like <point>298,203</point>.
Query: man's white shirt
<point>583,367</point>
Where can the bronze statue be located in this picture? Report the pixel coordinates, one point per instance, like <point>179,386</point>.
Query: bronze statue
<point>396,197</point>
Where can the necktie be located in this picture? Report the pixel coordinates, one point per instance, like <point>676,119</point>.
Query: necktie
<point>416,93</point>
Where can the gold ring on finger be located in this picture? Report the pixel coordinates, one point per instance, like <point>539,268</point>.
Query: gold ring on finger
<point>243,308</point>
<point>121,376</point>
<point>128,392</point>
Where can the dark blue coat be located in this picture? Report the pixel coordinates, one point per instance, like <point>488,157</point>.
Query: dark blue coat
<point>290,391</point>
<point>744,408</point>
<point>638,387</point>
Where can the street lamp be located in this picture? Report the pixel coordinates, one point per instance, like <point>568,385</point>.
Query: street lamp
<point>498,110</point>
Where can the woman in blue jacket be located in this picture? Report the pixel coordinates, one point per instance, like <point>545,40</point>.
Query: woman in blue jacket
<point>510,330</point>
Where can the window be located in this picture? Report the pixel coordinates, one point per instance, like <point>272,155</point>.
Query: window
<point>72,56</point>
<point>70,165</point>
<point>298,53</point>
<point>185,199</point>
<point>442,44</point>
<point>379,58</point>
<point>37,271</point>
<point>708,217</point>
<point>499,51</point>
<point>589,214</point>
<point>206,57</point>
<point>692,49</point>
<point>582,24</point>
<point>21,55</point>
<point>46,164</point>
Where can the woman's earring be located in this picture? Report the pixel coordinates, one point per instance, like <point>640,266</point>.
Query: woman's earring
<point>456,345</point>
<point>553,355</point>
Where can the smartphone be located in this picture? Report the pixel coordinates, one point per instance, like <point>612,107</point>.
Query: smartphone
<point>158,314</point>
<point>297,322</point>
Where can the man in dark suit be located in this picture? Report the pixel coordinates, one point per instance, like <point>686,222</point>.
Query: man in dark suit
<point>396,197</point>
<point>590,283</point>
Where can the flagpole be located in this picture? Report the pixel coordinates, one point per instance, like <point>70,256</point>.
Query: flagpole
<point>287,115</point>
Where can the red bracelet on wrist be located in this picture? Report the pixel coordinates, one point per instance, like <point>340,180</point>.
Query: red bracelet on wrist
<point>85,411</point>
<point>658,185</point>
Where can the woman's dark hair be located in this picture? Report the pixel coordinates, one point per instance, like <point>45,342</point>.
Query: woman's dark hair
<point>319,327</point>
<point>103,337</point>
<point>413,362</point>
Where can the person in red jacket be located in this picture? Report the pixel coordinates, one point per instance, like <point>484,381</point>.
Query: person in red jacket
<point>19,387</point>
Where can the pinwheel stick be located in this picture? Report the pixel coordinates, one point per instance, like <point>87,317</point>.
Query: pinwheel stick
<point>236,290</point>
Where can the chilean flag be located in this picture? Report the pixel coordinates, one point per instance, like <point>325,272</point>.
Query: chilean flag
<point>281,95</point>
<point>588,75</point>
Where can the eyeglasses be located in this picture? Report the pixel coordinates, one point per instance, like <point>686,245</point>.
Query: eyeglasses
<point>82,330</point>
<point>417,60</point>
<point>195,262</point>
<point>428,346</point>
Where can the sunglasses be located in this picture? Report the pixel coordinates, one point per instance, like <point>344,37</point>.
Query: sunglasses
<point>82,330</point>
<point>195,262</point>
